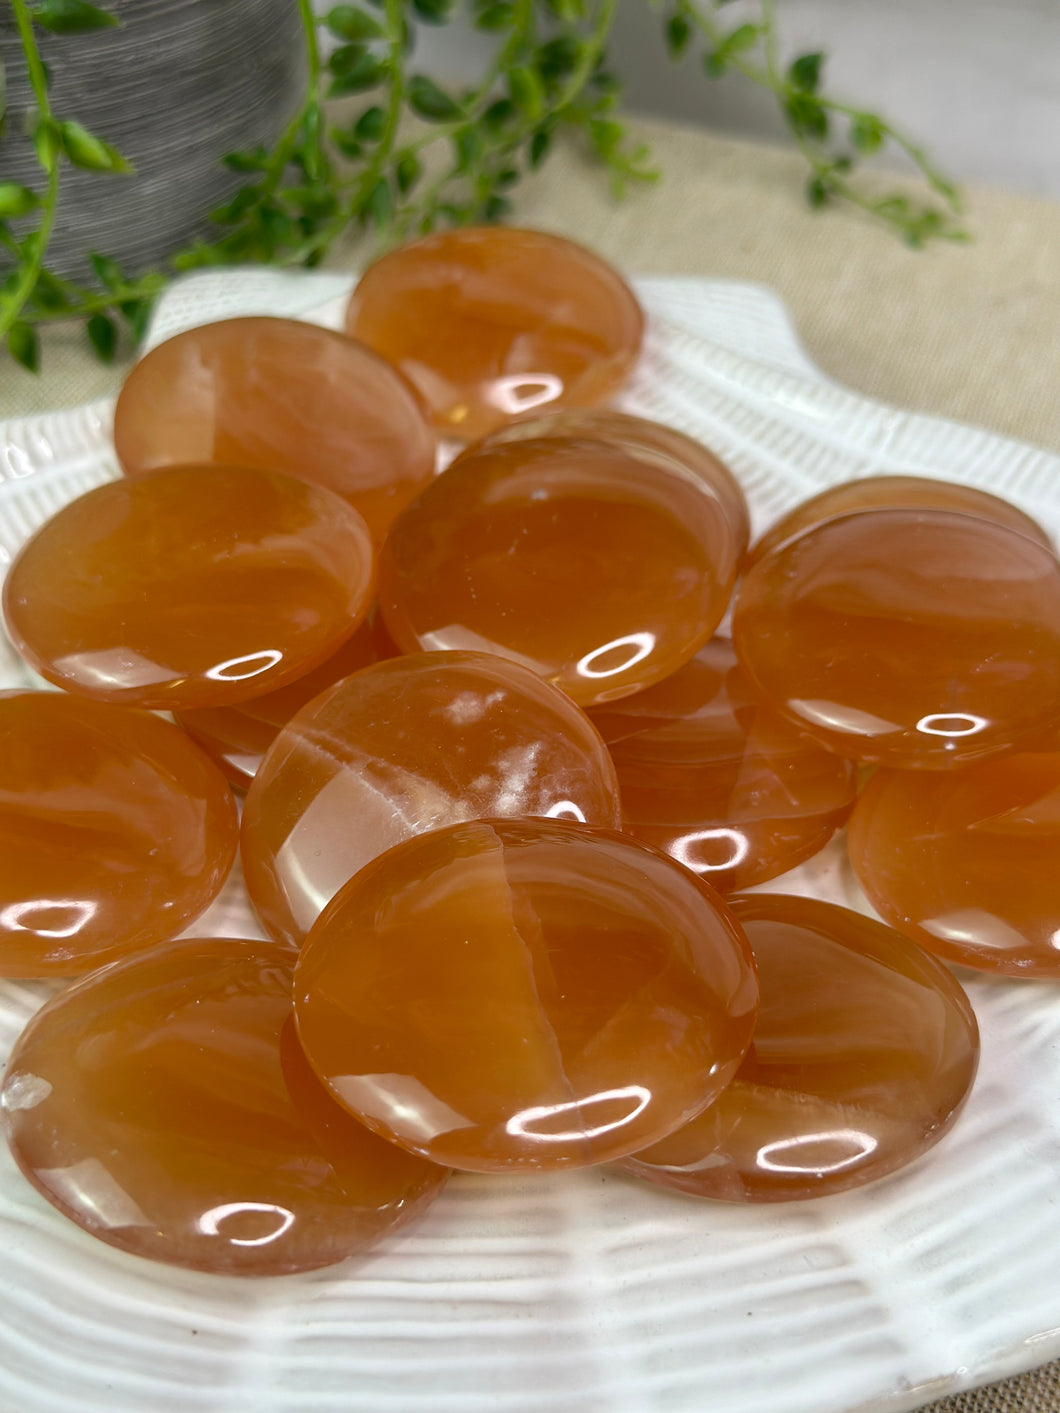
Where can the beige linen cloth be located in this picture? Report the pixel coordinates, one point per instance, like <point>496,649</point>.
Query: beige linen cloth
<point>971,332</point>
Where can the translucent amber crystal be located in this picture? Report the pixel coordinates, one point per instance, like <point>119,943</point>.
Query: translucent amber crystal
<point>115,832</point>
<point>188,587</point>
<point>412,744</point>
<point>491,322</point>
<point>524,994</point>
<point>966,863</point>
<point>284,396</point>
<point>864,1050</point>
<point>593,565</point>
<point>237,737</point>
<point>165,1106</point>
<point>650,441</point>
<point>908,638</point>
<point>718,779</point>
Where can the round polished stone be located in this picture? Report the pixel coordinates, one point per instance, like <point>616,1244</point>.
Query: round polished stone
<point>966,863</point>
<point>115,832</point>
<point>864,1051</point>
<point>527,994</point>
<point>412,744</point>
<point>594,566</point>
<point>237,737</point>
<point>893,493</point>
<point>283,396</point>
<point>647,440</point>
<point>189,587</point>
<point>165,1106</point>
<point>908,638</point>
<point>491,322</point>
<point>719,780</point>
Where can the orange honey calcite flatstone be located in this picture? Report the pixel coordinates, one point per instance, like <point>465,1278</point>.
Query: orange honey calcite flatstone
<point>236,738</point>
<point>412,744</point>
<point>718,779</point>
<point>115,832</point>
<point>188,587</point>
<point>966,863</point>
<point>524,994</point>
<point>864,1051</point>
<point>164,1105</point>
<point>893,493</point>
<point>650,441</point>
<point>283,396</point>
<point>490,322</point>
<point>593,565</point>
<point>906,638</point>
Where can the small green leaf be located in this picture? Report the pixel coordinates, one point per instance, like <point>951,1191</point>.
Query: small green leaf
<point>678,36</point>
<point>137,312</point>
<point>47,143</point>
<point>16,200</point>
<point>103,336</point>
<point>432,12</point>
<point>254,161</point>
<point>71,16</point>
<point>494,17</point>
<point>496,208</point>
<point>245,198</point>
<point>380,205</point>
<point>527,92</point>
<point>407,171</point>
<point>498,115</point>
<point>346,57</point>
<point>347,144</point>
<point>559,57</point>
<point>48,293</point>
<point>24,345</point>
<point>569,11</point>
<point>108,271</point>
<point>714,65</point>
<point>866,133</point>
<point>817,193</point>
<point>86,150</point>
<point>807,116</point>
<point>350,23</point>
<point>371,125</point>
<point>606,135</point>
<point>367,72</point>
<point>467,148</point>
<point>430,102</point>
<point>805,72</point>
<point>742,38</point>
<point>539,145</point>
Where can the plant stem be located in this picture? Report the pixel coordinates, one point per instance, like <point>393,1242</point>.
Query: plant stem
<point>12,304</point>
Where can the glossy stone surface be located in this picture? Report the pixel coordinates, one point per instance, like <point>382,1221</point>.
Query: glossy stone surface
<point>283,396</point>
<point>165,1105</point>
<point>909,638</point>
<point>524,994</point>
<point>593,565</point>
<point>236,738</point>
<point>719,780</point>
<point>491,322</point>
<point>966,863</point>
<point>893,493</point>
<point>115,832</point>
<point>864,1051</point>
<point>190,587</point>
<point>408,745</point>
<point>651,441</point>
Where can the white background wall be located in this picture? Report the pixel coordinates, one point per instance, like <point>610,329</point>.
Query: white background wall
<point>977,80</point>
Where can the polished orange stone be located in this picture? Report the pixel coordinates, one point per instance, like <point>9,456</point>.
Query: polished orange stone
<point>165,1106</point>
<point>864,1051</point>
<point>115,832</point>
<point>893,493</point>
<point>593,565</point>
<point>189,587</point>
<point>524,994</point>
<point>408,745</point>
<point>647,440</point>
<point>237,737</point>
<point>491,322</point>
<point>719,780</point>
<point>909,638</point>
<point>966,863</point>
<point>283,396</point>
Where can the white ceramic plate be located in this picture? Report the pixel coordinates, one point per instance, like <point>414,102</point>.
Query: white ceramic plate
<point>588,1293</point>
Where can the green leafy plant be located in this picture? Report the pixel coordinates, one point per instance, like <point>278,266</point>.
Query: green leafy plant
<point>414,155</point>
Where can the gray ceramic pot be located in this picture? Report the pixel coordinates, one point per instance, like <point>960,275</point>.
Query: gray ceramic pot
<point>179,84</point>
